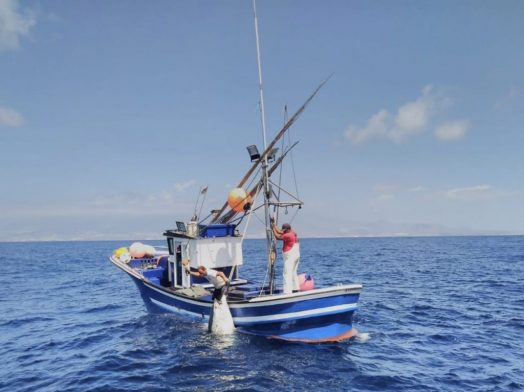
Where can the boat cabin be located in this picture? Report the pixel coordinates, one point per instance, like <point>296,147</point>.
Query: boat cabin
<point>215,246</point>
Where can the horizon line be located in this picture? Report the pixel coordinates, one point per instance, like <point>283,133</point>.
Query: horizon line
<point>262,238</point>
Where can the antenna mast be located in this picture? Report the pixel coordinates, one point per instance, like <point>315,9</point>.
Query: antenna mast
<point>271,246</point>
<point>260,85</point>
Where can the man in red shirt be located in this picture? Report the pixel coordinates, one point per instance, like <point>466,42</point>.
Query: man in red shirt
<point>290,254</point>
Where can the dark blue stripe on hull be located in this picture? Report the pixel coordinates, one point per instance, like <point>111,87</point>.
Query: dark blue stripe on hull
<point>154,301</point>
<point>318,328</point>
<point>301,305</point>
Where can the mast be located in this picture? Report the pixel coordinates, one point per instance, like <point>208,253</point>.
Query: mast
<point>218,214</point>
<point>264,184</point>
<point>260,85</point>
<point>271,251</point>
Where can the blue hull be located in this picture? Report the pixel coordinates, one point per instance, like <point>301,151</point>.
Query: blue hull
<point>319,315</point>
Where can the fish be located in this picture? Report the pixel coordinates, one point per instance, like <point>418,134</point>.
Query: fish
<point>220,320</point>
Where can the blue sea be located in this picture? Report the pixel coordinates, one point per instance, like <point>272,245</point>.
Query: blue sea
<point>436,314</point>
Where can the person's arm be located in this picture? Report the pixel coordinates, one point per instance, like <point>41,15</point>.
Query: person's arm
<point>277,232</point>
<point>223,276</point>
<point>185,264</point>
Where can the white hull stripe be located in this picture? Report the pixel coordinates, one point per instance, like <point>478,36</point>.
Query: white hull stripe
<point>274,300</point>
<point>294,315</point>
<point>262,319</point>
<point>315,293</point>
<point>181,298</point>
<point>177,310</point>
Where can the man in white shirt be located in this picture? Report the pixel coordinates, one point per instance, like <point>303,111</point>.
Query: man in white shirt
<point>217,278</point>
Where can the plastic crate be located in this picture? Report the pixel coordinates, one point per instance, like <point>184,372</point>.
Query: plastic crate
<point>218,230</point>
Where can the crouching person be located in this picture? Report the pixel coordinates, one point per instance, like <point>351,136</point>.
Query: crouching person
<point>217,278</point>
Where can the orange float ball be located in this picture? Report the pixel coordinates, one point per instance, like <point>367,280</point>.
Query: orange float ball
<point>237,198</point>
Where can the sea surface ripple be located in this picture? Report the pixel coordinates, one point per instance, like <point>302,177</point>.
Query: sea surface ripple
<point>436,314</point>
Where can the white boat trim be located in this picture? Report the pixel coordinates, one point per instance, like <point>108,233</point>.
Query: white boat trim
<point>275,299</point>
<point>126,268</point>
<point>175,309</point>
<point>310,294</point>
<point>180,297</point>
<point>295,315</point>
<point>271,300</point>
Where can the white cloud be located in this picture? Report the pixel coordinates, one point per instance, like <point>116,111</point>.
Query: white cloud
<point>110,205</point>
<point>13,24</point>
<point>418,188</point>
<point>385,196</point>
<point>412,118</point>
<point>452,131</point>
<point>468,193</point>
<point>377,126</point>
<point>181,187</point>
<point>385,188</point>
<point>507,101</point>
<point>10,118</point>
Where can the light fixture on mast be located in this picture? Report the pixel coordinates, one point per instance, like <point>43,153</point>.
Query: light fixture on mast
<point>253,153</point>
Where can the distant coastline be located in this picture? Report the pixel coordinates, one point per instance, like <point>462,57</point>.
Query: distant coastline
<point>259,238</point>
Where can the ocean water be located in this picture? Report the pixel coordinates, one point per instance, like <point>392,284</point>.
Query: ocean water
<point>436,314</point>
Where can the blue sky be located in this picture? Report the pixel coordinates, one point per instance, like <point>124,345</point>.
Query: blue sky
<point>114,113</point>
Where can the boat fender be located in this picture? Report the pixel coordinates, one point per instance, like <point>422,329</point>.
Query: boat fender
<point>122,254</point>
<point>120,251</point>
<point>306,282</point>
<point>137,250</point>
<point>149,251</point>
<point>125,258</point>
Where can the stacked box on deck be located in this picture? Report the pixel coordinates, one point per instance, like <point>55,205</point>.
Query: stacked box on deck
<point>218,230</point>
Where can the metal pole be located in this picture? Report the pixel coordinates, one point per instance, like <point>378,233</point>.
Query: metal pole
<point>265,175</point>
<point>260,85</point>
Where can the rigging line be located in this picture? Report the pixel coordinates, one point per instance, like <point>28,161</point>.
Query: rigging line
<point>204,219</point>
<point>242,217</point>
<point>251,212</point>
<point>239,219</point>
<point>293,166</point>
<point>263,283</point>
<point>231,213</point>
<point>249,218</point>
<point>288,193</point>
<point>254,178</point>
<point>259,219</point>
<point>204,192</point>
<point>276,211</point>
<point>281,133</point>
<point>294,216</point>
<point>283,145</point>
<point>195,216</point>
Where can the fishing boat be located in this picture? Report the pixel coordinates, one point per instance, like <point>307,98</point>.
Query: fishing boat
<point>311,314</point>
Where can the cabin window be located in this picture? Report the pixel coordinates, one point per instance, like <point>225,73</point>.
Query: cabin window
<point>171,245</point>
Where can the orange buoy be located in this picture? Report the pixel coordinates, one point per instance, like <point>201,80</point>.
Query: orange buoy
<point>237,199</point>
